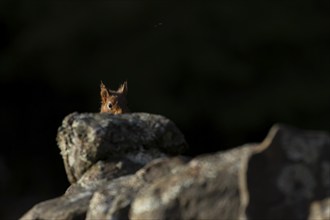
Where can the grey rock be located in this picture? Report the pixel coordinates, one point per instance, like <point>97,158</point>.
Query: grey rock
<point>113,201</point>
<point>102,172</point>
<point>100,151</point>
<point>277,179</point>
<point>208,187</point>
<point>320,210</point>
<point>87,138</point>
<point>121,167</point>
<point>70,207</point>
<point>291,170</point>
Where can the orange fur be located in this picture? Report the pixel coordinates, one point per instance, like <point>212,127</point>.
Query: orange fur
<point>114,102</point>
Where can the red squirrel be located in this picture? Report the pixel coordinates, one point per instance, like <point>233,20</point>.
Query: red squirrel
<point>114,102</point>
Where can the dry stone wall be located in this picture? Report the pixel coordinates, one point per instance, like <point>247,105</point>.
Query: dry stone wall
<point>129,167</point>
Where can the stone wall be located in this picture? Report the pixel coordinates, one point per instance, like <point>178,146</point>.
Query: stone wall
<point>131,166</point>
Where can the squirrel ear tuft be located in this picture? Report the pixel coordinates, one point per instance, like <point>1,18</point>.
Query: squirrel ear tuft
<point>123,88</point>
<point>102,85</point>
<point>104,92</point>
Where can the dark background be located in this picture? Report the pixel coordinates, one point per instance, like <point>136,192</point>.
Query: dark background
<point>223,71</point>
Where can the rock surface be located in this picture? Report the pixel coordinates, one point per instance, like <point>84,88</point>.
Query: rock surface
<point>291,171</point>
<point>85,139</point>
<point>208,187</point>
<point>122,167</point>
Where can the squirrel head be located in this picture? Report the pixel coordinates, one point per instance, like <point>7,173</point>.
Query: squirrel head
<point>114,102</point>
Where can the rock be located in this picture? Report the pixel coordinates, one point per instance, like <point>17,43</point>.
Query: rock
<point>87,138</point>
<point>208,187</point>
<point>277,179</point>
<point>71,207</point>
<point>113,201</point>
<point>102,172</point>
<point>320,210</point>
<point>99,152</point>
<point>121,167</point>
<point>291,170</point>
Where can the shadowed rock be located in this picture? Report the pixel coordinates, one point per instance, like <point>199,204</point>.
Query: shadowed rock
<point>120,168</point>
<point>320,210</point>
<point>291,171</point>
<point>278,179</point>
<point>71,207</point>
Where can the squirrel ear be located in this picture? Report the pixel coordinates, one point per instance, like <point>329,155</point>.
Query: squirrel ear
<point>102,85</point>
<point>123,88</point>
<point>104,92</point>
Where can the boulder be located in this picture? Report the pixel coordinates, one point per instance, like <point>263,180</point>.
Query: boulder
<point>87,138</point>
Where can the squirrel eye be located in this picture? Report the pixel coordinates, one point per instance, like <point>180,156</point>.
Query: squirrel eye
<point>109,105</point>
